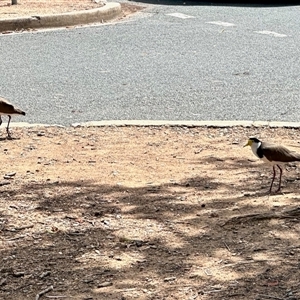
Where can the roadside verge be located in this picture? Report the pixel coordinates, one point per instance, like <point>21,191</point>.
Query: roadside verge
<point>97,15</point>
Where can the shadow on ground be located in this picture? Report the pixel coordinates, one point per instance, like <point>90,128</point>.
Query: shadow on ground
<point>168,213</point>
<point>91,241</point>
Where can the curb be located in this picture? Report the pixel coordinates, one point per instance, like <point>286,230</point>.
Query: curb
<point>216,124</point>
<point>97,15</point>
<point>148,123</point>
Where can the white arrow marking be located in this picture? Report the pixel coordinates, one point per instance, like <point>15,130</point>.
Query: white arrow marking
<point>271,33</point>
<point>226,24</point>
<point>179,15</point>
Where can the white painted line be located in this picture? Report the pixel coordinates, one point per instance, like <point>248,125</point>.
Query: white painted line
<point>272,33</point>
<point>179,15</point>
<point>226,24</point>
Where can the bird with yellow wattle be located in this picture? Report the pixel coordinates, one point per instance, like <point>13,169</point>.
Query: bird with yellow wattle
<point>275,155</point>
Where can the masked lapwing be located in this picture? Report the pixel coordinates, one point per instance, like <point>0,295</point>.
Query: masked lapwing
<point>6,108</point>
<point>275,155</point>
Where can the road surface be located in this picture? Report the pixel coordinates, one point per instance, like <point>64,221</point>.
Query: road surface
<point>168,62</point>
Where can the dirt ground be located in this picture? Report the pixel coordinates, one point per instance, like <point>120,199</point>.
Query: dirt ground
<point>27,8</point>
<point>146,213</point>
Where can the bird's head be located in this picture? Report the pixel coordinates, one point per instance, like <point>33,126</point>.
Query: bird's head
<point>252,141</point>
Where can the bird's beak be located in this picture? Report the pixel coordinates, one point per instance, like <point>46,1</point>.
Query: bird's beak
<point>248,144</point>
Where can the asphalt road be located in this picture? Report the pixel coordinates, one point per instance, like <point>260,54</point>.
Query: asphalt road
<point>201,62</point>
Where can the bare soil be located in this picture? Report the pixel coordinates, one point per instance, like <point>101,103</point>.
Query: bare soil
<point>28,8</point>
<point>146,213</point>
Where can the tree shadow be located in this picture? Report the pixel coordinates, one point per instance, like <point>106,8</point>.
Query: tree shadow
<point>91,240</point>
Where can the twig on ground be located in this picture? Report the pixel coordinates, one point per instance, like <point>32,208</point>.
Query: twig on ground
<point>16,238</point>
<point>295,212</point>
<point>212,291</point>
<point>128,290</point>
<point>24,227</point>
<point>244,263</point>
<point>18,274</point>
<point>269,297</point>
<point>50,288</point>
<point>45,274</point>
<point>74,233</point>
<point>56,297</point>
<point>226,246</point>
<point>19,228</point>
<point>289,214</point>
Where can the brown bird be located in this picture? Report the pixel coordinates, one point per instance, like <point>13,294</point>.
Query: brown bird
<point>275,155</point>
<point>6,108</point>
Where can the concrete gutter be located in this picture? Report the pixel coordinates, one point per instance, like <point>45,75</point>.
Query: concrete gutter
<point>109,11</point>
<point>212,124</point>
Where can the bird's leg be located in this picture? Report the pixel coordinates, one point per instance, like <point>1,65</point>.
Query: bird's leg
<point>7,128</point>
<point>274,174</point>
<point>279,187</point>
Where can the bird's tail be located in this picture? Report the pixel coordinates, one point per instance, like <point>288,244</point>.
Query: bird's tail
<point>19,111</point>
<point>296,156</point>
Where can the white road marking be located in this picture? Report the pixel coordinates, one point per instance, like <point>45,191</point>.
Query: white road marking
<point>276,34</point>
<point>226,24</point>
<point>179,15</point>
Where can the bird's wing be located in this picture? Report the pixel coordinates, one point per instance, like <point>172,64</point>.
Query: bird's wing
<point>4,101</point>
<point>279,153</point>
<point>7,108</point>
